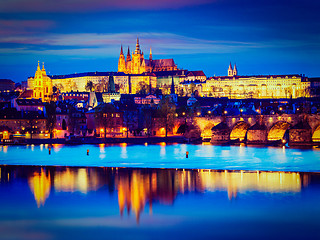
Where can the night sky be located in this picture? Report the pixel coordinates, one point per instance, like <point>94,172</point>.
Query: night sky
<point>261,37</point>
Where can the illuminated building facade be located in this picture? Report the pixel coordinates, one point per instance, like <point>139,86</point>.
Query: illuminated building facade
<point>41,85</point>
<point>262,86</point>
<point>137,64</point>
<point>124,83</point>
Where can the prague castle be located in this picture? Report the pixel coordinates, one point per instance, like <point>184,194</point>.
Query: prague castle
<point>136,73</point>
<point>137,64</point>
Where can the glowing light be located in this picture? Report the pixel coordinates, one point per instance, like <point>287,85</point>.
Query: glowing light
<point>225,112</point>
<point>209,112</point>
<point>198,114</point>
<point>124,129</point>
<point>183,113</point>
<point>101,130</point>
<point>40,185</point>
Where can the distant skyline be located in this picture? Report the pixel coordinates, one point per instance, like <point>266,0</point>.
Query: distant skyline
<point>261,37</point>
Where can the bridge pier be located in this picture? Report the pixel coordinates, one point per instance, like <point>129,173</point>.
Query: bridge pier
<point>220,133</point>
<point>257,134</point>
<point>300,133</point>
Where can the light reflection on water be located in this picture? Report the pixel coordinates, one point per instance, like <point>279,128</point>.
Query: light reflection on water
<point>200,199</point>
<point>204,156</point>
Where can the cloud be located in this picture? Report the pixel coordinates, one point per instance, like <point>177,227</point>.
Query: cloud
<point>93,5</point>
<point>109,44</point>
<point>14,27</point>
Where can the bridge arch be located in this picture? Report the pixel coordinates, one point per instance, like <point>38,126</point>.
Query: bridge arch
<point>239,131</point>
<point>278,130</point>
<point>316,134</point>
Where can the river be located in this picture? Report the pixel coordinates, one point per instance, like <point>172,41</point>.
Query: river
<point>155,192</point>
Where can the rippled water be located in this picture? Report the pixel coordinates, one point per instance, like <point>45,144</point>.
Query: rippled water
<point>122,203</point>
<point>204,156</point>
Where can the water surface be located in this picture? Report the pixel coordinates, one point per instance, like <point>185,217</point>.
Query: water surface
<point>203,156</point>
<point>121,203</point>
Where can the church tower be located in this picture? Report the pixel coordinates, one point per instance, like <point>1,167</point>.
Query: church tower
<point>128,56</point>
<point>42,84</point>
<point>137,59</point>
<point>230,71</point>
<point>150,56</point>
<point>122,62</point>
<point>235,70</point>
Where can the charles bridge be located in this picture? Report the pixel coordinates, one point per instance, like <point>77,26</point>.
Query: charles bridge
<point>254,129</point>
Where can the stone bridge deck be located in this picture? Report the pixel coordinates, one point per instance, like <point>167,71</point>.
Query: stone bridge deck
<point>295,128</point>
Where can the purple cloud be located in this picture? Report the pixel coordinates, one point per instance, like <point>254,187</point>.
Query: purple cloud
<point>102,45</point>
<point>93,5</point>
<point>14,27</point>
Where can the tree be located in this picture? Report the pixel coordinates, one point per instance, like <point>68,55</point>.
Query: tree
<point>180,92</point>
<point>51,117</point>
<point>166,112</point>
<point>142,88</point>
<point>148,115</point>
<point>166,89</point>
<point>89,86</point>
<point>103,116</point>
<point>98,87</point>
<point>60,87</point>
<point>104,84</point>
<point>192,88</point>
<point>72,118</point>
<point>213,91</point>
<point>117,87</point>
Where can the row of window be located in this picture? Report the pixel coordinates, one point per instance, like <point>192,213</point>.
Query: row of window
<point>117,115</point>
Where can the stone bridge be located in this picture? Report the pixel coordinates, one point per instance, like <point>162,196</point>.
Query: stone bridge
<point>292,128</point>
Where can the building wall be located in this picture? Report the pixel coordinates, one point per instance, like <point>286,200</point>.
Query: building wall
<point>257,87</point>
<point>19,125</point>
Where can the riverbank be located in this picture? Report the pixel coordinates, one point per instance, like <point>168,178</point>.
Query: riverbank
<point>93,140</point>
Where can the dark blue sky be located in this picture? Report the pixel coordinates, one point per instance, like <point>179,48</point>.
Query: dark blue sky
<point>262,37</point>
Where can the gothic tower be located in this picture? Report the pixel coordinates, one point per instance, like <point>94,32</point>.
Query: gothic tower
<point>137,58</point>
<point>128,55</point>
<point>150,56</point>
<point>122,62</point>
<point>235,70</point>
<point>230,70</point>
<point>42,85</point>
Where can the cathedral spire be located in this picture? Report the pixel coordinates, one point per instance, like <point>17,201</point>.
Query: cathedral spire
<point>230,70</point>
<point>150,56</point>
<point>172,87</point>
<point>121,51</point>
<point>128,55</point>
<point>38,68</point>
<point>137,51</point>
<point>43,70</point>
<point>235,70</point>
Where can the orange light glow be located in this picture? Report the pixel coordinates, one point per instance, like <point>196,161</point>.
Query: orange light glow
<point>40,185</point>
